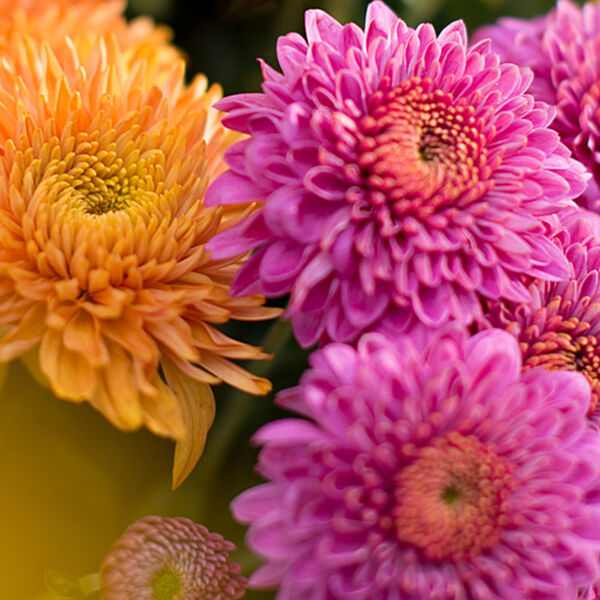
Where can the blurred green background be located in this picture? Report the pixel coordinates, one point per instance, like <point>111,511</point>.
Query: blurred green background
<point>70,482</point>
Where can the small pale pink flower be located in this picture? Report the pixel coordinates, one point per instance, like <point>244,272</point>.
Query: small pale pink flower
<point>401,173</point>
<point>160,558</point>
<point>443,473</point>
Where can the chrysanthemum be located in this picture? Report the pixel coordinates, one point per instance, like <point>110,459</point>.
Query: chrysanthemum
<point>563,50</point>
<point>161,558</point>
<point>104,274</point>
<point>402,174</point>
<point>441,474</point>
<point>80,20</point>
<point>559,328</point>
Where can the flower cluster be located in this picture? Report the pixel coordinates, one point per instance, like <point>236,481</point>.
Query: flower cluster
<point>417,196</point>
<point>428,205</point>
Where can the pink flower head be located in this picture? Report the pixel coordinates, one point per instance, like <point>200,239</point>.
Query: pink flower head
<point>560,327</point>
<point>401,174</point>
<point>441,474</point>
<point>170,559</point>
<point>563,50</point>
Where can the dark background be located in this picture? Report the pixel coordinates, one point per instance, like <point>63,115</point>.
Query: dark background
<point>223,37</point>
<point>70,482</point>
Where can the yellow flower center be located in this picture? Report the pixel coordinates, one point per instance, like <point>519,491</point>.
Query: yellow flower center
<point>95,179</point>
<point>97,206</point>
<point>101,186</point>
<point>166,585</point>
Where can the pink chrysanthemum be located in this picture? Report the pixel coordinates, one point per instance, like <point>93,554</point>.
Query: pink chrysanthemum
<point>560,327</point>
<point>563,50</point>
<point>441,474</point>
<point>402,174</point>
<point>161,558</point>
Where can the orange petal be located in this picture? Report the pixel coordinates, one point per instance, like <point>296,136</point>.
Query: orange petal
<point>118,397</point>
<point>198,410</point>
<point>191,370</point>
<point>82,334</point>
<point>163,414</point>
<point>128,332</point>
<point>254,313</point>
<point>235,375</point>
<point>25,335</point>
<point>69,373</point>
<point>209,338</point>
<point>31,360</point>
<point>175,336</point>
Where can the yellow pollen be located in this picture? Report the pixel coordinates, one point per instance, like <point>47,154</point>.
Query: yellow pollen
<point>166,585</point>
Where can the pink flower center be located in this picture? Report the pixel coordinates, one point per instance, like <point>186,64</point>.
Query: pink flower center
<point>420,153</point>
<point>451,502</point>
<point>562,350</point>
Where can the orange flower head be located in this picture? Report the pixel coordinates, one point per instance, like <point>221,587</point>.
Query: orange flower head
<point>81,20</point>
<point>105,283</point>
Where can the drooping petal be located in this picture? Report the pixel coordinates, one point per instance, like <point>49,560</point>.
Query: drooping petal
<point>197,405</point>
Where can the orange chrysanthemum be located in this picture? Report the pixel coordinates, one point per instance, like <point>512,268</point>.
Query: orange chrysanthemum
<point>105,283</point>
<point>80,20</point>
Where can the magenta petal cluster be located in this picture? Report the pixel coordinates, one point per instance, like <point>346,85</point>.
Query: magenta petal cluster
<point>559,328</point>
<point>401,173</point>
<point>161,558</point>
<point>563,50</point>
<point>440,474</point>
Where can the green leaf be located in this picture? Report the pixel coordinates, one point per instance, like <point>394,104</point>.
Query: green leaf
<point>63,585</point>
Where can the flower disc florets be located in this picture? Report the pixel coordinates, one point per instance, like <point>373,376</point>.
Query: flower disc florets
<point>563,51</point>
<point>437,473</point>
<point>105,281</point>
<point>560,327</point>
<point>451,502</point>
<point>161,558</point>
<point>403,174</point>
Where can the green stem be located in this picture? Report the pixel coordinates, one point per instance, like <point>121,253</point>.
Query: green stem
<point>62,585</point>
<point>90,583</point>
